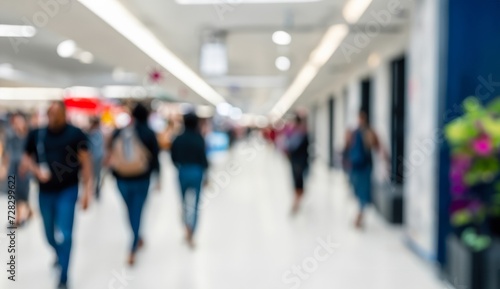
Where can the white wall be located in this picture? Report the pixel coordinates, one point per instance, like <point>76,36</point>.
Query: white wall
<point>353,103</point>
<point>339,120</point>
<point>420,191</point>
<point>322,127</point>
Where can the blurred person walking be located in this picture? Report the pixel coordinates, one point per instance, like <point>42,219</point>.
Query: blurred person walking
<point>298,153</point>
<point>133,157</point>
<point>346,163</point>
<point>56,154</point>
<point>96,139</point>
<point>361,143</point>
<point>189,156</point>
<point>14,148</point>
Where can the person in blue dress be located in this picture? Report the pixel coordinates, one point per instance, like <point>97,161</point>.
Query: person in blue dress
<point>363,142</point>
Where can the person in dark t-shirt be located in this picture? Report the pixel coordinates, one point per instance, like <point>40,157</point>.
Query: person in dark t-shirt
<point>55,155</point>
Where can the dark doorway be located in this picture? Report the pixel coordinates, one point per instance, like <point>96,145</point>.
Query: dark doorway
<point>331,133</point>
<point>366,97</point>
<point>398,120</point>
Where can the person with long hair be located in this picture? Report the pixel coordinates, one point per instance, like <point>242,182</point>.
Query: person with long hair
<point>133,157</point>
<point>363,141</point>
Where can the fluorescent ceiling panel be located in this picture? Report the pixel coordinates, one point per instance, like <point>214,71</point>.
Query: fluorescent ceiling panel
<point>118,17</point>
<point>17,31</point>
<point>31,93</point>
<point>213,59</point>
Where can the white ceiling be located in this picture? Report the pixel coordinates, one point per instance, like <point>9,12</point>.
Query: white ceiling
<point>253,82</point>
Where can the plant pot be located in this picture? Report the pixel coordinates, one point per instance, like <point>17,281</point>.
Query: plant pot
<point>493,266</point>
<point>465,268</point>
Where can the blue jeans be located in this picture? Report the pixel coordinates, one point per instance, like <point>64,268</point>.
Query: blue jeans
<point>361,179</point>
<point>134,193</point>
<point>190,179</point>
<point>58,212</point>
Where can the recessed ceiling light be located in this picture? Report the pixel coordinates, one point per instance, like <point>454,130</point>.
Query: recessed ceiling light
<point>204,111</point>
<point>236,113</point>
<point>66,48</point>
<point>17,31</point>
<point>282,38</point>
<point>283,63</point>
<point>374,60</point>
<point>86,57</point>
<point>6,67</point>
<point>224,108</point>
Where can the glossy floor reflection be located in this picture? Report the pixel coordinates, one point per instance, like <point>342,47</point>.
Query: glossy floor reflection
<point>247,238</point>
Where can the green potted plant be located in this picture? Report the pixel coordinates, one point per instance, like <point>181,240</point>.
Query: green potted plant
<point>474,139</point>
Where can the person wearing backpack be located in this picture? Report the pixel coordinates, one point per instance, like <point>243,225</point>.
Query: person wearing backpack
<point>188,154</point>
<point>133,157</point>
<point>363,141</point>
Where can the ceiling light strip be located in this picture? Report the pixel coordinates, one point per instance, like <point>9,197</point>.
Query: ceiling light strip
<point>118,17</point>
<point>17,30</point>
<point>354,9</point>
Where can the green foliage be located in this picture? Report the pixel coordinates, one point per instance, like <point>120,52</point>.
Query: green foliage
<point>483,170</point>
<point>474,241</point>
<point>476,134</point>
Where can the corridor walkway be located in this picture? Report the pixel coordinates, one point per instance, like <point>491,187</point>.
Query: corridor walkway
<point>247,238</point>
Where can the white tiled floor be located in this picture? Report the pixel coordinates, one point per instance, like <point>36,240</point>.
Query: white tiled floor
<point>246,240</point>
